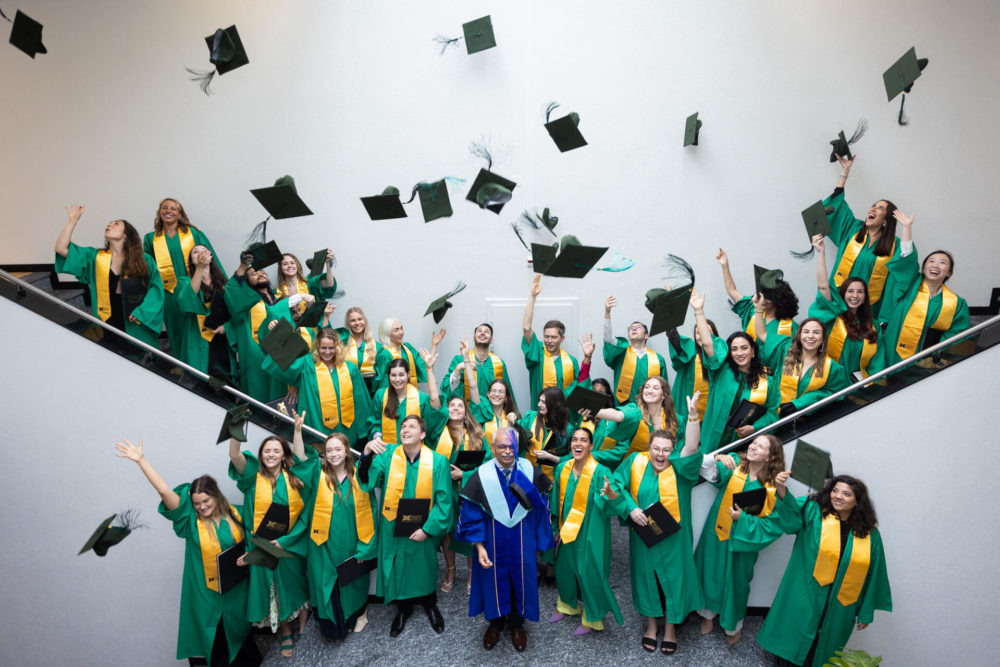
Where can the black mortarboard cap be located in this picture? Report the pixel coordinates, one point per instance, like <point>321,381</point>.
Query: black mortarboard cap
<point>752,501</point>
<point>766,280</point>
<point>692,126</point>
<point>816,220</point>
<point>491,190</point>
<point>281,199</point>
<point>811,465</point>
<point>582,398</point>
<point>385,206</point>
<point>565,132</point>
<point>434,200</point>
<point>225,50</point>
<point>26,34</point>
<point>900,76</point>
<point>108,535</point>
<point>669,308</point>
<point>542,256</point>
<point>440,305</point>
<point>234,423</point>
<point>573,260</point>
<point>316,263</point>
<point>264,255</point>
<point>284,344</point>
<point>313,315</point>
<point>265,553</point>
<point>841,147</point>
<point>479,35</point>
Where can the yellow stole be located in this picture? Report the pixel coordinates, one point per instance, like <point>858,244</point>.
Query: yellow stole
<point>667,481</point>
<point>535,444</point>
<point>835,345</point>
<point>913,324</point>
<point>759,395</point>
<point>397,480</point>
<point>262,500</point>
<point>206,333</point>
<point>497,372</point>
<point>784,328</point>
<point>102,273</point>
<point>412,399</point>
<point>570,527</point>
<point>828,556</point>
<point>397,354</point>
<point>876,281</point>
<point>640,441</point>
<point>607,443</point>
<point>549,369</point>
<point>208,542</point>
<point>301,287</point>
<point>724,522</point>
<point>335,412</point>
<point>323,510</point>
<point>790,381</point>
<point>627,376</point>
<point>492,426</point>
<point>700,384</point>
<point>445,445</point>
<point>161,253</point>
<point>258,313</point>
<point>365,361</point>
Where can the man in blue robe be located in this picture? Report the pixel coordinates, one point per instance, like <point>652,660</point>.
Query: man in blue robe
<point>506,517</point>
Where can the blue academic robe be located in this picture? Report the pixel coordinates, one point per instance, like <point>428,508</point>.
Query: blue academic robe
<point>512,550</point>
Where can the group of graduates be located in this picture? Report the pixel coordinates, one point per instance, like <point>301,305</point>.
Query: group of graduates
<point>525,495</point>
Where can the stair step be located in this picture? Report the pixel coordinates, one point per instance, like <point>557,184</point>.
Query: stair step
<point>73,297</point>
<point>40,279</point>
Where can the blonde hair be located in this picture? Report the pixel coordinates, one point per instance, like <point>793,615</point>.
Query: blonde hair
<point>385,328</point>
<point>339,356</point>
<point>367,335</point>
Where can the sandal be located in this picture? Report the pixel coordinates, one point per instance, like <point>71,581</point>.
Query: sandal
<point>287,646</point>
<point>649,644</point>
<point>668,648</point>
<point>449,580</point>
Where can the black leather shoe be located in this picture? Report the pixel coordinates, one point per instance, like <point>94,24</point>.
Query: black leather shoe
<point>399,623</point>
<point>434,616</point>
<point>491,637</point>
<point>519,639</point>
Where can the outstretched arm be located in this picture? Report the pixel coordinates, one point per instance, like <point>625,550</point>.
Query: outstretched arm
<point>236,456</point>
<point>328,281</point>
<point>760,326</point>
<point>906,231</point>
<point>127,450</point>
<point>692,433</point>
<point>529,309</point>
<point>727,277</point>
<point>704,331</point>
<point>609,335</point>
<point>66,235</point>
<point>822,280</point>
<point>470,370</point>
<point>298,444</point>
<point>845,170</point>
<point>432,386</point>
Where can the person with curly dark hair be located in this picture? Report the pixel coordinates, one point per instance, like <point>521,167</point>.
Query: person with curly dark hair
<point>835,579</point>
<point>548,428</point>
<point>867,248</point>
<point>744,398</point>
<point>125,286</point>
<point>853,340</point>
<point>780,303</point>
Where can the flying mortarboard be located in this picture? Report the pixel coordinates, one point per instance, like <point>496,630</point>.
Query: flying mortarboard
<point>811,465</point>
<point>567,259</point>
<point>317,263</point>
<point>766,280</point>
<point>692,126</point>
<point>284,344</point>
<point>108,535</point>
<point>225,51</point>
<point>385,206</point>
<point>491,190</point>
<point>564,131</point>
<point>669,308</point>
<point>899,78</point>
<point>313,315</point>
<point>479,35</point>
<point>26,34</point>
<point>842,145</point>
<point>234,423</point>
<point>817,221</point>
<point>282,199</point>
<point>440,305</point>
<point>434,200</point>
<point>264,255</point>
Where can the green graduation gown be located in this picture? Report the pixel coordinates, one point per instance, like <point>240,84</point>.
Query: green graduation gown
<point>725,568</point>
<point>614,357</point>
<point>828,311</point>
<point>383,356</point>
<point>745,310</point>
<point>80,261</point>
<point>683,362</point>
<point>727,392</point>
<point>314,287</point>
<point>302,374</point>
<point>907,279</point>
<point>201,607</point>
<point>775,351</point>
<point>457,545</point>
<point>289,577</point>
<point>193,348</point>
<point>485,375</point>
<point>534,355</point>
<point>362,356</point>
<point>804,612</point>
<point>406,568</point>
<point>342,543</point>
<point>669,564</point>
<point>583,565</point>
<point>432,417</point>
<point>241,300</point>
<point>172,316</point>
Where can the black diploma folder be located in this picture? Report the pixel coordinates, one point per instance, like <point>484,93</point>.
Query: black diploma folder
<point>661,525</point>
<point>470,459</point>
<point>745,414</point>
<point>133,292</point>
<point>751,502</point>
<point>231,574</point>
<point>353,569</point>
<point>274,523</point>
<point>411,514</point>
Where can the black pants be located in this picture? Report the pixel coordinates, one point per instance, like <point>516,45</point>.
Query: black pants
<point>406,604</point>
<point>514,619</point>
<point>248,656</point>
<point>337,628</point>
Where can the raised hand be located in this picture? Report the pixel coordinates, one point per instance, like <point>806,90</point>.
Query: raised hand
<point>375,446</point>
<point>428,357</point>
<point>330,307</point>
<point>609,303</point>
<point>722,258</point>
<point>697,300</point>
<point>608,491</point>
<point>902,218</point>
<point>75,212</point>
<point>587,344</point>
<point>536,285</point>
<point>463,347</point>
<point>329,256</point>
<point>781,479</point>
<point>300,419</point>
<point>845,164</point>
<point>126,450</point>
<point>692,402</point>
<point>817,242</point>
<point>758,302</point>
<point>437,337</point>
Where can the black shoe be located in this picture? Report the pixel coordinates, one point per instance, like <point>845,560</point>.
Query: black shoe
<point>434,616</point>
<point>399,623</point>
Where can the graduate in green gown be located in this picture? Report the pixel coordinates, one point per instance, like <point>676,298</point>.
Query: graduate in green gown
<point>548,431</point>
<point>921,306</point>
<point>651,410</point>
<point>780,303</point>
<point>273,479</point>
<point>582,503</point>
<point>204,347</point>
<point>736,373</point>
<point>250,300</point>
<point>547,363</point>
<point>106,272</point>
<point>342,526</point>
<point>690,372</point>
<point>170,244</point>
<point>360,345</point>
<point>732,537</point>
<point>853,339</point>
<point>401,399</point>
<point>664,580</point>
<point>390,334</point>
<point>866,249</point>
<point>408,565</point>
<point>213,629</point>
<point>836,576</point>
<point>488,367</point>
<point>301,292</point>
<point>629,358</point>
<point>330,389</point>
<point>801,366</point>
<point>498,410</point>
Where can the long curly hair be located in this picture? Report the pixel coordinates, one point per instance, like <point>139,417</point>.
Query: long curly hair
<point>887,239</point>
<point>786,304</point>
<point>775,460</point>
<point>556,416</point>
<point>756,370</point>
<point>859,322</point>
<point>862,519</point>
<point>182,218</point>
<point>666,404</point>
<point>793,358</point>
<point>134,262</point>
<point>287,461</point>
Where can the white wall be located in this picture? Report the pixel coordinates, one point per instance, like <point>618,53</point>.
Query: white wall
<point>348,97</point>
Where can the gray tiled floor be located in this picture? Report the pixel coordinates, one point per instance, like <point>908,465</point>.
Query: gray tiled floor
<point>548,644</point>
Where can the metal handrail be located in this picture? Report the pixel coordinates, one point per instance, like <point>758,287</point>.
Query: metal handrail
<point>874,377</point>
<point>160,353</point>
